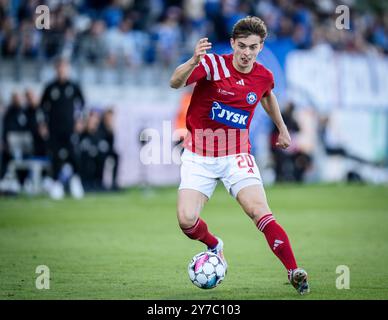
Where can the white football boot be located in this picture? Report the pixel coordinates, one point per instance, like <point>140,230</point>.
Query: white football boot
<point>219,250</point>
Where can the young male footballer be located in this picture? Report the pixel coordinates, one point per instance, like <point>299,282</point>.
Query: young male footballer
<point>227,91</point>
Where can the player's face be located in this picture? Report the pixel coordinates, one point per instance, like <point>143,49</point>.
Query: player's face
<point>246,51</point>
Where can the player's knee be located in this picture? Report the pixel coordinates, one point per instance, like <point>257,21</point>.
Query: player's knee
<point>186,223</point>
<point>186,219</point>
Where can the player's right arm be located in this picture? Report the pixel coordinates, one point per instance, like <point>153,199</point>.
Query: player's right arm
<point>183,72</point>
<point>271,106</point>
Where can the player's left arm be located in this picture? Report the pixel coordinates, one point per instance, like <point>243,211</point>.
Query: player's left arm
<point>271,106</point>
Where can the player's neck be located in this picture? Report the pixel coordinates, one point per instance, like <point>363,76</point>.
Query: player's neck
<point>241,69</point>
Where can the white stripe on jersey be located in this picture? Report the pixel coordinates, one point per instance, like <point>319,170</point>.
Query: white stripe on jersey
<point>216,75</point>
<point>224,68</point>
<point>207,69</point>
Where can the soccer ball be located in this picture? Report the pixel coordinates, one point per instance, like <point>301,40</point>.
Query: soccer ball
<point>206,270</point>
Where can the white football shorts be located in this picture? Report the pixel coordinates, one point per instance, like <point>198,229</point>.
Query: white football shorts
<point>202,173</point>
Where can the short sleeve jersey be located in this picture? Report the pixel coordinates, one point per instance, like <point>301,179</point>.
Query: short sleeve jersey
<point>223,104</point>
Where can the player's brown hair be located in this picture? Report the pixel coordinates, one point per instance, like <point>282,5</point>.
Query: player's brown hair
<point>248,26</point>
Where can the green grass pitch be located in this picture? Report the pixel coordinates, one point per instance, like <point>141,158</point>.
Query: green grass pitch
<point>129,246</point>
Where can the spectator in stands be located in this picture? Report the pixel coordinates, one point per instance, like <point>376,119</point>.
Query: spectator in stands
<point>90,155</point>
<point>15,122</point>
<point>92,44</point>
<point>4,8</point>
<point>36,124</point>
<point>8,37</point>
<point>107,148</point>
<point>30,40</point>
<point>63,104</point>
<point>290,164</point>
<point>113,14</point>
<point>56,39</point>
<point>121,49</point>
<point>169,38</point>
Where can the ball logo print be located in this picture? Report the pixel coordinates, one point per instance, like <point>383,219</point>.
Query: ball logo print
<point>251,97</point>
<point>206,270</point>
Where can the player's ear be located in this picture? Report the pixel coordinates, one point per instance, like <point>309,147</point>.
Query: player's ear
<point>232,42</point>
<point>261,46</point>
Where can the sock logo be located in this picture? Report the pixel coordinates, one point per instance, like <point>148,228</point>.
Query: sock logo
<point>277,243</point>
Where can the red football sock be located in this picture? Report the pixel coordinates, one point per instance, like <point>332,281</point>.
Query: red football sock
<point>200,232</point>
<point>277,240</point>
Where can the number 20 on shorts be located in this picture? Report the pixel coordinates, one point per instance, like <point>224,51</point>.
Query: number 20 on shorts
<point>244,161</point>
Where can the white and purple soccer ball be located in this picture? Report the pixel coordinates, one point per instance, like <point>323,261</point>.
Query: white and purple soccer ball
<point>206,270</point>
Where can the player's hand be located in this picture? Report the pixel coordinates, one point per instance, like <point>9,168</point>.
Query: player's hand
<point>284,139</point>
<point>200,49</point>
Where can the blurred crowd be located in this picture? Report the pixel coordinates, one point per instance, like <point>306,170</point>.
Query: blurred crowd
<point>56,133</point>
<point>135,32</point>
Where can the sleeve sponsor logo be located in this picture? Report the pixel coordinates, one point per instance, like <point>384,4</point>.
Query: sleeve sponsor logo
<point>232,117</point>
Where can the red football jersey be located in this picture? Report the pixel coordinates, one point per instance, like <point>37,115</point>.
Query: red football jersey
<point>223,104</point>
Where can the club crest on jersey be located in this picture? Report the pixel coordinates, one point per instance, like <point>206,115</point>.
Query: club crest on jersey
<point>232,117</point>
<point>251,97</point>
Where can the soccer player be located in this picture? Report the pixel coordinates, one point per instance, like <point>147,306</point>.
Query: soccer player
<point>217,147</point>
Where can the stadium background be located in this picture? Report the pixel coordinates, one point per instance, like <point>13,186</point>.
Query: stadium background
<point>122,53</point>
